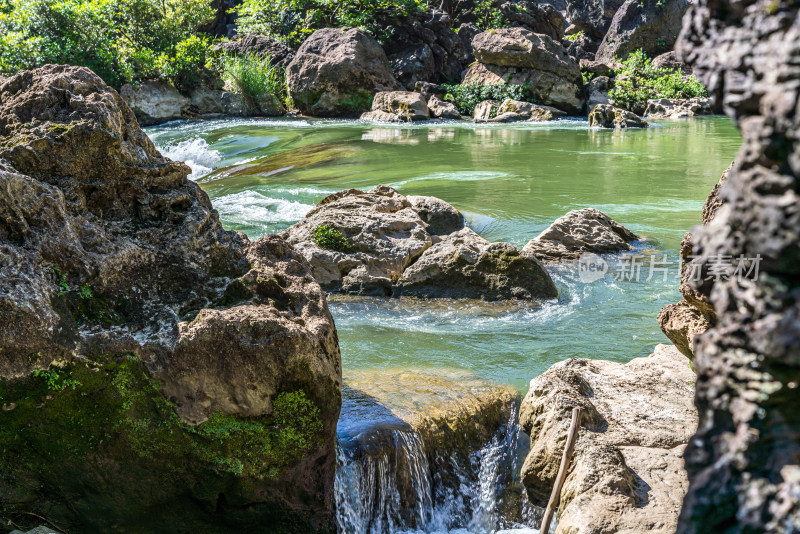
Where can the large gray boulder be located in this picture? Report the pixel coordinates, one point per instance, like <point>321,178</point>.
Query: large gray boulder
<point>650,25</point>
<point>260,46</point>
<point>538,17</point>
<point>155,102</point>
<point>577,232</point>
<point>520,56</point>
<point>627,472</point>
<point>593,17</point>
<point>337,71</point>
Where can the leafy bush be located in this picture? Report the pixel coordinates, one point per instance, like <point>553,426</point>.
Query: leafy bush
<point>467,96</point>
<point>121,40</point>
<point>253,77</point>
<point>329,237</point>
<point>575,36</point>
<point>638,81</point>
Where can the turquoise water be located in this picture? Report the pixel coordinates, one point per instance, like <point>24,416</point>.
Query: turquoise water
<point>511,182</point>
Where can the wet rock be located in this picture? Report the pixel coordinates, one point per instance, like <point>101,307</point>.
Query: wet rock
<point>260,46</point>
<point>677,108</point>
<point>519,56</point>
<point>155,102</point>
<point>164,327</point>
<point>337,71</point>
<point>537,17</point>
<point>650,25</point>
<point>579,231</point>
<point>398,106</point>
<point>465,265</point>
<point>442,110</point>
<point>627,472</point>
<point>485,110</point>
<point>608,116</point>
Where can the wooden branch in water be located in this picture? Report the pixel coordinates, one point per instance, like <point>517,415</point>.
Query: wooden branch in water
<point>552,504</point>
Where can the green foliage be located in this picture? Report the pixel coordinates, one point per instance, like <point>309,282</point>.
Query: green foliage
<point>638,81</point>
<point>253,77</point>
<point>575,36</point>
<point>121,40</point>
<point>60,279</point>
<point>488,15</point>
<point>56,381</point>
<point>467,96</point>
<point>292,21</point>
<point>329,237</point>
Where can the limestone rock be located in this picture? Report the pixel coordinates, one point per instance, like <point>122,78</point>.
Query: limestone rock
<point>608,116</point>
<point>677,108</point>
<point>155,102</point>
<point>597,92</point>
<point>650,25</point>
<point>260,46</point>
<point>337,71</point>
<point>485,110</point>
<point>516,110</point>
<point>439,216</point>
<point>669,60</point>
<point>538,17</point>
<point>116,271</point>
<point>627,472</point>
<point>442,110</point>
<point>519,56</point>
<point>600,68</point>
<point>593,17</point>
<point>406,106</point>
<point>579,231</point>
<point>681,323</point>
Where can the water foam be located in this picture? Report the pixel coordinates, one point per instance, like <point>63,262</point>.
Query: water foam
<point>252,208</point>
<point>196,153</point>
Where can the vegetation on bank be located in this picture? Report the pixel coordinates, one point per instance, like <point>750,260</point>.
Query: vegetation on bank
<point>253,77</point>
<point>467,96</point>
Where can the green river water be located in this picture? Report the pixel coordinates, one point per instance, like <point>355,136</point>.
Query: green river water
<point>511,182</point>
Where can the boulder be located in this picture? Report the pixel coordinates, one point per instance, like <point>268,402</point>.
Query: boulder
<point>677,108</point>
<point>155,102</point>
<point>466,33</point>
<point>627,472</point>
<point>465,265</point>
<point>414,64</point>
<point>649,25</point>
<point>385,238</point>
<point>593,17</point>
<point>440,109</point>
<point>537,17</point>
<point>669,60</point>
<point>337,71</point>
<point>485,110</point>
<point>516,110</point>
<point>681,322</point>
<point>597,92</point>
<point>403,106</point>
<point>519,56</point>
<point>744,472</point>
<point>260,46</point>
<point>164,352</point>
<point>577,232</point>
<point>608,116</point>
<point>600,68</point>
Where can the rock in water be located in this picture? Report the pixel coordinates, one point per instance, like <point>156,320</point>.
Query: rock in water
<point>390,244</point>
<point>607,116</point>
<point>166,374</point>
<point>627,471</point>
<point>155,102</point>
<point>577,232</point>
<point>442,110</point>
<point>398,106</point>
<point>677,108</point>
<point>337,71</point>
<point>743,462</point>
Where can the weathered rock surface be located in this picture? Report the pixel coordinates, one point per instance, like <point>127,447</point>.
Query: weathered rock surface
<point>260,46</point>
<point>743,463</point>
<point>337,71</point>
<point>520,56</point>
<point>593,17</point>
<point>608,116</point>
<point>579,231</point>
<point>163,327</point>
<point>627,472</point>
<point>538,17</point>
<point>398,106</point>
<point>677,108</point>
<point>414,246</point>
<point>516,110</point>
<point>650,25</point>
<point>485,110</point>
<point>669,60</point>
<point>155,102</point>
<point>441,109</point>
<point>597,92</point>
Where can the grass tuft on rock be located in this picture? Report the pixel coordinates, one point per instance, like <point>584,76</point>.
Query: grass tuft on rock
<point>329,237</point>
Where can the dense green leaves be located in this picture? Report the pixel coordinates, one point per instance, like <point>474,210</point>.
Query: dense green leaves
<point>253,77</point>
<point>331,238</point>
<point>467,96</point>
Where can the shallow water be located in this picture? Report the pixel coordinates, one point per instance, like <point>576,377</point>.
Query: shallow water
<point>511,182</point>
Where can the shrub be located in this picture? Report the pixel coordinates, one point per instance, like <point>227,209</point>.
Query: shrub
<point>253,77</point>
<point>638,81</point>
<point>329,237</point>
<point>467,96</point>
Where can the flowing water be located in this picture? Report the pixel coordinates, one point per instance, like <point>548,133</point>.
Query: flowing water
<point>511,182</point>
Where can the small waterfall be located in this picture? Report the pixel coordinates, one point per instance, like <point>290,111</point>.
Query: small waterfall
<point>389,482</point>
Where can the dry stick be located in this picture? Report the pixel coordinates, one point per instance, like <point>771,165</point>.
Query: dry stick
<point>572,437</point>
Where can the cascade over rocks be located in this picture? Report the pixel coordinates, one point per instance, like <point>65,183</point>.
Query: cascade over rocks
<point>577,232</point>
<point>650,25</point>
<point>520,56</point>
<point>337,71</point>
<point>174,340</point>
<point>414,246</point>
<point>744,473</point>
<point>627,472</point>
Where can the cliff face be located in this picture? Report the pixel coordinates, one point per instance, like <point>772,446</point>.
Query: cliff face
<point>148,357</point>
<point>743,463</point>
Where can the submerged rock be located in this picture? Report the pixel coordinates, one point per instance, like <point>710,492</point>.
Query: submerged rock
<point>608,116</point>
<point>149,354</point>
<point>397,106</point>
<point>577,232</point>
<point>337,71</point>
<point>677,108</point>
<point>390,244</point>
<point>627,472</point>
